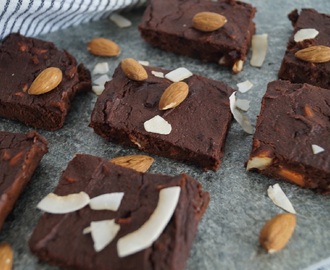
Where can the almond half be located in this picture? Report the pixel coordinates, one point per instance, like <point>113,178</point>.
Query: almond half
<point>6,256</point>
<point>208,21</point>
<point>46,81</point>
<point>140,163</point>
<point>133,69</point>
<point>314,54</point>
<point>277,232</point>
<point>173,95</point>
<point>103,47</point>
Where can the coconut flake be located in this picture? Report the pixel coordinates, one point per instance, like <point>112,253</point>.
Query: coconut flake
<point>101,68</point>
<point>149,232</point>
<point>159,125</point>
<point>55,204</point>
<point>108,201</point>
<point>306,33</point>
<point>317,149</point>
<point>279,198</point>
<point>259,50</point>
<point>120,20</point>
<point>101,80</point>
<point>178,74</point>
<point>157,74</point>
<point>87,230</point>
<point>241,119</point>
<point>98,89</point>
<point>243,104</point>
<point>103,232</point>
<point>244,86</point>
<point>144,63</point>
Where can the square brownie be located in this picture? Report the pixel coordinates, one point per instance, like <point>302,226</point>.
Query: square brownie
<point>169,26</point>
<point>199,124</point>
<point>293,119</point>
<point>59,239</point>
<point>22,59</point>
<point>299,71</point>
<point>20,155</point>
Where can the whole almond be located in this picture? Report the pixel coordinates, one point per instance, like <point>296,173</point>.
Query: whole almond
<point>140,163</point>
<point>173,95</point>
<point>103,47</point>
<point>314,54</point>
<point>277,232</point>
<point>208,21</point>
<point>46,81</point>
<point>133,69</point>
<point>6,256</point>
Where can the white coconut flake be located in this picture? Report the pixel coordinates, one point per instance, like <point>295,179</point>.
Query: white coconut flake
<point>149,232</point>
<point>120,20</point>
<point>178,74</point>
<point>98,89</point>
<point>159,125</point>
<point>317,149</point>
<point>103,232</point>
<point>87,230</point>
<point>241,119</point>
<point>279,198</point>
<point>243,104</point>
<point>144,63</point>
<point>244,86</point>
<point>101,80</point>
<point>259,50</point>
<point>306,33</point>
<point>101,68</point>
<point>56,204</point>
<point>157,74</point>
<point>108,201</point>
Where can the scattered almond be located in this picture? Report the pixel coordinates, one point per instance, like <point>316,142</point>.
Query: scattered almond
<point>173,95</point>
<point>46,81</point>
<point>103,47</point>
<point>208,21</point>
<point>295,177</point>
<point>277,232</point>
<point>140,163</point>
<point>314,54</point>
<point>6,256</point>
<point>133,69</point>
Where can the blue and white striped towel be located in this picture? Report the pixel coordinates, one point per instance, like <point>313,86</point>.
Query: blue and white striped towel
<point>34,17</point>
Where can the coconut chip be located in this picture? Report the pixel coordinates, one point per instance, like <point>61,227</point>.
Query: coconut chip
<point>56,204</point>
<point>243,104</point>
<point>109,201</point>
<point>317,149</point>
<point>158,124</point>
<point>157,74</point>
<point>120,20</point>
<point>149,232</point>
<point>87,230</point>
<point>178,74</point>
<point>98,89</point>
<point>241,119</point>
<point>259,50</point>
<point>101,80</point>
<point>101,68</point>
<point>103,232</point>
<point>306,33</point>
<point>279,198</point>
<point>244,86</point>
<point>144,63</point>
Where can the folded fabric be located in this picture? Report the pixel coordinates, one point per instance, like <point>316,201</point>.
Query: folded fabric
<point>34,17</point>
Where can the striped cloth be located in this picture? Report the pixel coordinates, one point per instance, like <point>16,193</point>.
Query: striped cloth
<point>34,17</point>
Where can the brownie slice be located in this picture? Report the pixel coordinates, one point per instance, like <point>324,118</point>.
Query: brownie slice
<point>20,155</point>
<point>59,239</point>
<point>22,59</point>
<point>293,117</point>
<point>199,124</point>
<point>168,25</point>
<point>299,71</point>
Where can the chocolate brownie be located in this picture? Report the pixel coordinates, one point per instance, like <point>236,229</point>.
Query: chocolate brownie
<point>20,155</point>
<point>22,59</point>
<point>299,71</point>
<point>293,118</point>
<point>59,239</point>
<point>168,25</point>
<point>199,124</point>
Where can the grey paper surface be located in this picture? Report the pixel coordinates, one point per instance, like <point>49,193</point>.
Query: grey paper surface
<point>227,237</point>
